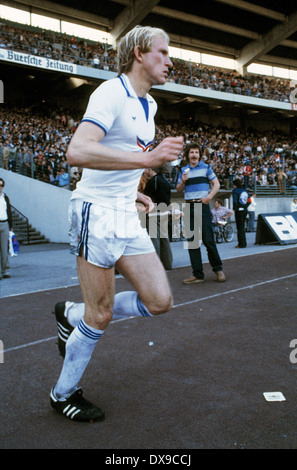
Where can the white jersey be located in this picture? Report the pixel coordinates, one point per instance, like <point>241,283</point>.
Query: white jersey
<point>128,123</point>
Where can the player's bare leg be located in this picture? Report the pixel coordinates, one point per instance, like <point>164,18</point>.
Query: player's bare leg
<point>97,286</point>
<point>148,277</point>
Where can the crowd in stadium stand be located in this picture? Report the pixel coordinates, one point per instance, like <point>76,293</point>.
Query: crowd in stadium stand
<point>255,157</point>
<point>35,144</point>
<point>65,48</point>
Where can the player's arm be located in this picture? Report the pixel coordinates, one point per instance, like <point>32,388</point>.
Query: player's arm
<point>86,151</point>
<point>145,201</point>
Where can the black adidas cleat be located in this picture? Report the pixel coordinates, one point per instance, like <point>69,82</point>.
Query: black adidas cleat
<point>77,408</point>
<point>64,327</point>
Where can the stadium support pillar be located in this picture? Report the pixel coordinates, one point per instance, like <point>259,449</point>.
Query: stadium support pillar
<point>241,69</point>
<point>133,14</point>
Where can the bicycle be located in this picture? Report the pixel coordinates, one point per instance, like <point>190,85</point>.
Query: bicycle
<point>223,231</point>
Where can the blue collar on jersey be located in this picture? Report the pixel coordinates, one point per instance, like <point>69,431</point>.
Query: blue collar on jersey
<point>132,94</point>
<point>126,84</point>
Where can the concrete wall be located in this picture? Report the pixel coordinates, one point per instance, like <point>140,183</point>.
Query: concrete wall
<point>46,206</point>
<point>268,205</point>
<point>265,205</point>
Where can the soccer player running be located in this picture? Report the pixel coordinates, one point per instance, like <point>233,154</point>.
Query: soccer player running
<point>111,144</point>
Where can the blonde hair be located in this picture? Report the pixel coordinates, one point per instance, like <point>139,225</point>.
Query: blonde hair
<point>142,36</point>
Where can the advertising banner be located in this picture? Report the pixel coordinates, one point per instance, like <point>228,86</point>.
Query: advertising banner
<point>21,58</point>
<point>279,227</point>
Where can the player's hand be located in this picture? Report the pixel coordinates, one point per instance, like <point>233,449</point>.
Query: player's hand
<point>146,202</point>
<point>167,151</point>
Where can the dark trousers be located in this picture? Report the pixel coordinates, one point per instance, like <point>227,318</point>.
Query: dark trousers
<point>158,231</point>
<point>240,217</point>
<point>208,241</point>
<point>4,247</point>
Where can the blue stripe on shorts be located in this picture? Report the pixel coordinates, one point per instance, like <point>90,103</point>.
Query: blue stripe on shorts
<point>84,234</point>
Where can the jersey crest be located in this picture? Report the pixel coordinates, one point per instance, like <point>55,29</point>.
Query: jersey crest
<point>143,145</point>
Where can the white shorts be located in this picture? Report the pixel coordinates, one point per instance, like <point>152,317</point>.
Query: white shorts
<point>105,234</point>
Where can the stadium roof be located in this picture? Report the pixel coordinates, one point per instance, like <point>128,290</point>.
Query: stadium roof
<point>248,31</point>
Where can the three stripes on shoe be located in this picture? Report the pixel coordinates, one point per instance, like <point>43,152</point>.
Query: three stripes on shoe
<point>70,410</point>
<point>63,332</point>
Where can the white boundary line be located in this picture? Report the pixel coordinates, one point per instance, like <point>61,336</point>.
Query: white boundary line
<point>16,348</point>
<point>38,291</point>
<point>235,290</point>
<point>201,299</point>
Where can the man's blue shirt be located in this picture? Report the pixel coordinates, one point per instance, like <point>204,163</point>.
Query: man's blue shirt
<point>197,185</point>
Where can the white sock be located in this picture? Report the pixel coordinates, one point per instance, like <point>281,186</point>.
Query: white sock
<point>79,349</point>
<point>126,304</point>
<point>74,312</point>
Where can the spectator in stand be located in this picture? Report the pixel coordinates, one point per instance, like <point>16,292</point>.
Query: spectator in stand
<point>96,62</point>
<point>26,162</point>
<point>52,179</point>
<point>263,178</point>
<point>6,151</point>
<point>281,176</point>
<point>291,177</point>
<point>271,176</point>
<point>247,172</point>
<point>62,178</point>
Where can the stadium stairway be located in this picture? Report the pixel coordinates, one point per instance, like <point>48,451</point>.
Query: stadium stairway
<point>25,233</point>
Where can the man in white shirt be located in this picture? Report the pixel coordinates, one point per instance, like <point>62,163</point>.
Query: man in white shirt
<point>294,205</point>
<point>5,226</point>
<point>111,145</point>
<point>251,213</point>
